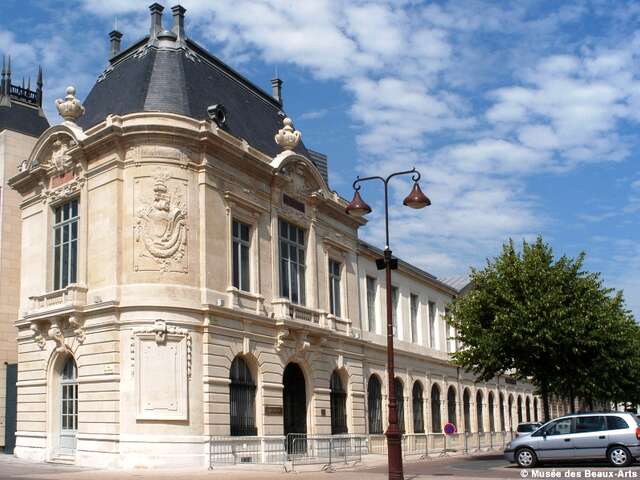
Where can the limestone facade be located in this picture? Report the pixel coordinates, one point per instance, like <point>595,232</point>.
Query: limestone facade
<point>152,319</point>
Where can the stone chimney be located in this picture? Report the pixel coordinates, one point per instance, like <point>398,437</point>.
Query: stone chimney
<point>276,89</point>
<point>178,21</point>
<point>115,36</point>
<point>156,20</point>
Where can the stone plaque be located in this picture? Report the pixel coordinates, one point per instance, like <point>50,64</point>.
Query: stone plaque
<point>272,410</point>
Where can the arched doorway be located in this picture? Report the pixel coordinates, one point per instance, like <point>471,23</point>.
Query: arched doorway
<point>436,419</point>
<point>492,422</point>
<point>374,402</point>
<point>479,411</point>
<point>242,399</point>
<point>501,408</point>
<point>528,409</point>
<point>400,402</point>
<point>294,401</point>
<point>519,409</point>
<point>418,413</point>
<point>68,406</point>
<point>466,407</point>
<point>338,405</point>
<point>535,409</point>
<point>451,406</point>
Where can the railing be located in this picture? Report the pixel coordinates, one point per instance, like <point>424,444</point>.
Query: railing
<point>283,308</point>
<point>330,450</point>
<point>327,450</point>
<point>74,294</point>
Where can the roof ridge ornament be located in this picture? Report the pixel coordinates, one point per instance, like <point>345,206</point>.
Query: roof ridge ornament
<point>70,109</point>
<point>287,137</point>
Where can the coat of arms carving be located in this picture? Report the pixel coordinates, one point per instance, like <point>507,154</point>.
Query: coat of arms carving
<point>161,226</point>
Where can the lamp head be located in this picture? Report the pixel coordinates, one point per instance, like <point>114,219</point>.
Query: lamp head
<point>358,207</point>
<point>416,199</point>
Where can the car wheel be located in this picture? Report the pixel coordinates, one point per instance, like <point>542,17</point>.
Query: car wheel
<point>619,456</point>
<point>526,458</point>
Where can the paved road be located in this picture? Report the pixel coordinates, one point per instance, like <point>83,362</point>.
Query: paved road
<point>455,467</point>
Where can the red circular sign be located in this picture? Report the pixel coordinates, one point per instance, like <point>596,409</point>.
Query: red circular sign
<point>449,428</point>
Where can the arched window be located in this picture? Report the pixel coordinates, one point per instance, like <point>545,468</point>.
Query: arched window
<point>242,399</point>
<point>418,410</point>
<point>451,406</point>
<point>535,409</point>
<point>528,409</point>
<point>519,409</point>
<point>400,401</point>
<point>374,402</point>
<point>479,409</point>
<point>338,405</point>
<point>436,419</point>
<point>492,422</point>
<point>501,407</point>
<point>511,413</point>
<point>69,404</point>
<point>466,402</point>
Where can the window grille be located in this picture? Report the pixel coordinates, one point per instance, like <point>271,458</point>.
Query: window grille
<point>241,263</point>
<point>292,263</point>
<point>400,402</point>
<point>418,413</point>
<point>65,244</point>
<point>338,405</point>
<point>242,398</point>
<point>436,419</point>
<point>374,402</point>
<point>334,287</point>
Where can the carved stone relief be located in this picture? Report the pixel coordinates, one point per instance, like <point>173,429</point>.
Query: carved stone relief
<point>68,190</point>
<point>161,224</point>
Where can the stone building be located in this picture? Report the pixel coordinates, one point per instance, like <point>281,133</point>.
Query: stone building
<point>187,272</point>
<point>21,123</point>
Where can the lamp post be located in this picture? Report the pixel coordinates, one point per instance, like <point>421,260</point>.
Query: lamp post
<point>358,207</point>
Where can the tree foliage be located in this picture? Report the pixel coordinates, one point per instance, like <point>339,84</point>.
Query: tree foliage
<point>548,320</point>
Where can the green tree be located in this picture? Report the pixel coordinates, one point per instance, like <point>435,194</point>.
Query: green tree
<point>547,320</point>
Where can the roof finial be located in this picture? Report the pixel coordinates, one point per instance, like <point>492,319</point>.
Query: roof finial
<point>70,108</point>
<point>287,137</point>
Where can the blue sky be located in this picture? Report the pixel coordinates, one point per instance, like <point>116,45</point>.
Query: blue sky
<point>522,116</point>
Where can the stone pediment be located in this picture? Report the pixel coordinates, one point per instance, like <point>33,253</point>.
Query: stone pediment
<point>54,151</point>
<point>299,176</point>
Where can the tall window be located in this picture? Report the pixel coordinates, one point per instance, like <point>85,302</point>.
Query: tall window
<point>528,409</point>
<point>519,409</point>
<point>374,403</point>
<point>501,408</point>
<point>535,409</point>
<point>451,406</point>
<point>492,422</point>
<point>394,309</point>
<point>479,410</point>
<point>371,303</point>
<point>69,382</point>
<point>334,287</point>
<point>400,400</point>
<point>241,256</point>
<point>65,244</point>
<point>418,414</point>
<point>292,256</point>
<point>466,405</point>
<point>242,399</point>
<point>451,334</point>
<point>338,399</point>
<point>436,421</point>
<point>432,325</point>
<point>414,318</point>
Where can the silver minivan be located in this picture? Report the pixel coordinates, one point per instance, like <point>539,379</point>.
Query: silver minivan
<point>613,436</point>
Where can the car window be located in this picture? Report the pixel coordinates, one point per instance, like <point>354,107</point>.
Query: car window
<point>616,423</point>
<point>525,428</point>
<point>559,427</point>
<point>595,423</point>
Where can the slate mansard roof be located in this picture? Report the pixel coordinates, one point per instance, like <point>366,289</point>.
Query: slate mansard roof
<point>167,72</point>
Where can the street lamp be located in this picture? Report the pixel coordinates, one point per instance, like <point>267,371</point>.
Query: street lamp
<point>358,208</point>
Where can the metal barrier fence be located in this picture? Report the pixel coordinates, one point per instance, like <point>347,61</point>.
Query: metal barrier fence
<point>328,450</point>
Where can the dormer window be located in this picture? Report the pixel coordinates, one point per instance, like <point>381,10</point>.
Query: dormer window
<point>65,244</point>
<point>292,262</point>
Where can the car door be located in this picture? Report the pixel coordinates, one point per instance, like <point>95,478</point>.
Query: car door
<point>590,438</point>
<point>556,442</point>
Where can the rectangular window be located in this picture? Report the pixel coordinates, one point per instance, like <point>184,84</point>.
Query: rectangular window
<point>432,325</point>
<point>451,334</point>
<point>334,287</point>
<point>241,256</point>
<point>394,309</point>
<point>371,303</point>
<point>414,318</point>
<point>65,244</point>
<point>292,262</point>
